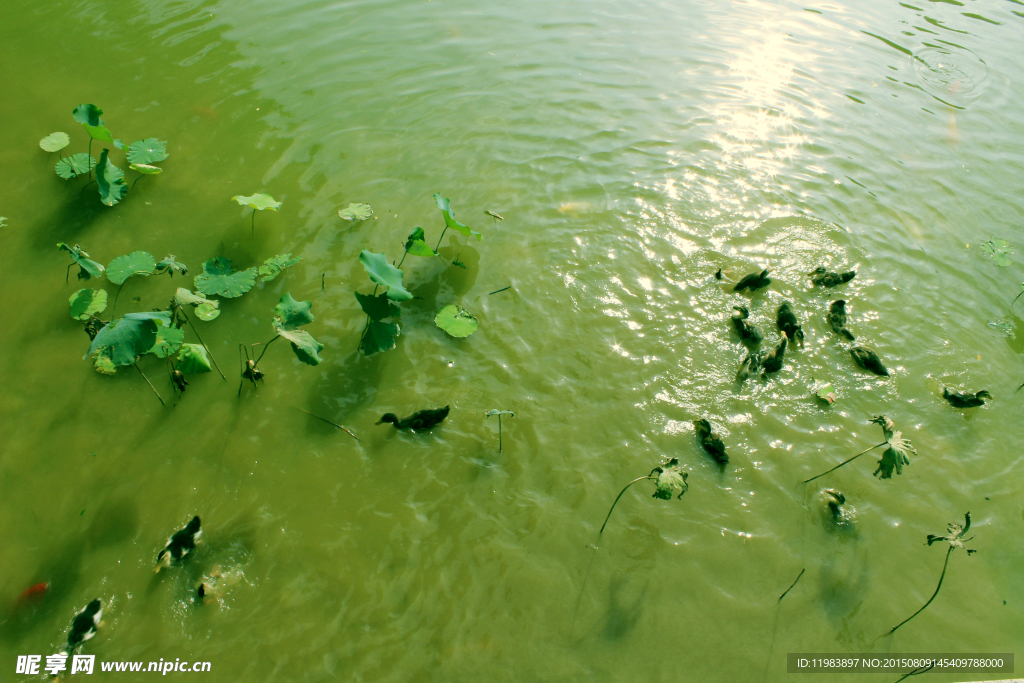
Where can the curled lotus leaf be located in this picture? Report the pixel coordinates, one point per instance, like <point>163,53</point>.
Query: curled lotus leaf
<point>148,151</point>
<point>110,180</point>
<point>102,363</point>
<point>168,341</point>
<point>99,133</point>
<point>170,265</point>
<point>258,201</point>
<point>128,337</point>
<point>192,359</point>
<point>955,533</point>
<point>218,277</point>
<point>895,456</point>
<point>356,212</point>
<point>417,244</point>
<point>146,169</point>
<point>378,307</point>
<point>305,347</point>
<point>456,321</point>
<point>273,266</point>
<point>379,336</point>
<point>75,165</point>
<point>207,312</point>
<point>183,297</point>
<point>85,303</point>
<point>88,115</point>
<point>449,218</point>
<point>55,142</point>
<point>135,263</point>
<point>89,268</point>
<point>383,273</point>
<point>669,478</point>
<point>290,314</point>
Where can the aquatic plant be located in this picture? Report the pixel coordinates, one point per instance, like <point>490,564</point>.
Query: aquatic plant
<point>998,250</point>
<point>170,265</point>
<point>123,267</point>
<point>377,334</point>
<point>55,142</point>
<point>955,536</point>
<point>355,212</point>
<point>124,340</point>
<point>273,266</point>
<point>219,278</point>
<point>206,309</point>
<point>335,424</point>
<point>449,221</point>
<point>456,321</point>
<point>499,413</point>
<point>87,267</point>
<point>89,116</point>
<point>258,202</point>
<point>893,458</point>
<point>668,477</point>
<point>289,316</point>
<point>110,180</point>
<point>791,585</point>
<point>87,303</point>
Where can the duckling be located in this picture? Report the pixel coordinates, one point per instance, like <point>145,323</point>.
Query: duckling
<point>179,545</point>
<point>821,276</point>
<point>424,419</point>
<point>867,358</point>
<point>773,360</point>
<point>787,322</point>
<point>749,335</point>
<point>84,626</point>
<point>753,281</point>
<point>834,500</point>
<point>718,274</point>
<point>711,443</point>
<point>964,400</point>
<point>750,365</point>
<point>836,318</point>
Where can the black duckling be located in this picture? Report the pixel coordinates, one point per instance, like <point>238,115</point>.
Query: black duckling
<point>424,419</point>
<point>867,358</point>
<point>84,626</point>
<point>821,276</point>
<point>788,323</point>
<point>753,281</point>
<point>750,366</point>
<point>711,443</point>
<point>773,360</point>
<point>835,499</point>
<point>963,400</point>
<point>718,274</point>
<point>179,545</point>
<point>836,317</point>
<point>749,335</point>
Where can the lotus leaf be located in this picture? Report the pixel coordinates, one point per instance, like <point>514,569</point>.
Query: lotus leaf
<point>304,346</point>
<point>192,359</point>
<point>290,314</point>
<point>99,133</point>
<point>85,303</point>
<point>456,321</point>
<point>258,201</point>
<point>998,250</point>
<point>378,307</point>
<point>955,534</point>
<point>110,180</point>
<point>183,297</point>
<point>383,273</point>
<point>887,425</point>
<point>171,266</point>
<point>207,312</point>
<point>128,337</point>
<point>55,142</point>
<point>135,263</point>
<point>670,478</point>
<point>119,144</point>
<point>894,457</point>
<point>417,244</point>
<point>449,218</point>
<point>168,341</point>
<point>499,412</point>
<point>379,337</point>
<point>102,363</point>
<point>146,169</point>
<point>273,266</point>
<point>356,212</point>
<point>88,115</point>
<point>88,267</point>
<point>219,278</point>
<point>146,151</point>
<point>75,165</point>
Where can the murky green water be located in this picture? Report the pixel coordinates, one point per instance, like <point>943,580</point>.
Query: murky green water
<point>633,149</point>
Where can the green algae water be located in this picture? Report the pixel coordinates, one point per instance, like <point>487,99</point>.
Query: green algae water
<point>633,149</point>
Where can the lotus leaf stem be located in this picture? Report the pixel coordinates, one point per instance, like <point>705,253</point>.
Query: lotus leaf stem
<point>845,462</point>
<point>792,584</point>
<point>256,365</point>
<point>441,238</point>
<point>117,294</point>
<point>914,672</point>
<point>67,275</point>
<point>344,429</point>
<point>136,364</point>
<point>500,290</point>
<point>1015,299</point>
<point>212,357</point>
<point>253,234</point>
<point>945,564</point>
<point>90,158</point>
<point>617,500</point>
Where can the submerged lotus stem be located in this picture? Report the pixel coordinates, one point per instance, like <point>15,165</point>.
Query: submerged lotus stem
<point>792,584</point>
<point>212,357</point>
<point>941,576</point>
<point>117,294</point>
<point>845,462</point>
<point>499,432</point>
<point>344,429</point>
<point>1015,299</point>
<point>256,365</point>
<point>136,364</point>
<point>441,238</point>
<point>253,233</point>
<point>617,500</point>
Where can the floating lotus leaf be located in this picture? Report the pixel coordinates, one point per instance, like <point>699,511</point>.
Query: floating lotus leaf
<point>171,266</point>
<point>110,180</point>
<point>183,297</point>
<point>146,169</point>
<point>456,321</point>
<point>258,201</point>
<point>379,337</point>
<point>449,218</point>
<point>89,268</point>
<point>85,303</point>
<point>192,359</point>
<point>135,263</point>
<point>273,266</point>
<point>499,412</point>
<point>304,346</point>
<point>168,341</point>
<point>378,307</point>
<point>824,391</point>
<point>955,534</point>
<point>894,457</point>
<point>128,337</point>
<point>119,144</point>
<point>383,273</point>
<point>55,142</point>
<point>417,245</point>
<point>670,478</point>
<point>88,115</point>
<point>290,314</point>
<point>148,151</point>
<point>99,133</point>
<point>74,165</point>
<point>998,250</point>
<point>219,278</point>
<point>207,312</point>
<point>356,212</point>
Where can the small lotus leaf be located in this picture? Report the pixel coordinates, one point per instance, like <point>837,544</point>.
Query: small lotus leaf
<point>89,268</point>
<point>356,212</point>
<point>825,392</point>
<point>128,337</point>
<point>110,180</point>
<point>379,337</point>
<point>383,273</point>
<point>168,341</point>
<point>183,297</point>
<point>55,142</point>
<point>998,250</point>
<point>304,346</point>
<point>955,533</point>
<point>456,321</point>
<point>670,479</point>
<point>207,312</point>
<point>290,314</point>
<point>135,263</point>
<point>148,151</point>
<point>273,266</point>
<point>85,303</point>
<point>258,201</point>
<point>102,363</point>
<point>119,143</point>
<point>146,169</point>
<point>171,266</point>
<point>894,457</point>
<point>1004,325</point>
<point>88,115</point>
<point>449,218</point>
<point>99,133</point>
<point>219,278</point>
<point>378,307</point>
<point>192,359</point>
<point>500,412</point>
<point>417,245</point>
<point>75,165</point>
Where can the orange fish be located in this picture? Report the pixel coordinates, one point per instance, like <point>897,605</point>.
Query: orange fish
<point>32,593</point>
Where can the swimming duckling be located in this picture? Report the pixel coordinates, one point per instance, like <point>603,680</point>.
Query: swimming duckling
<point>963,400</point>
<point>711,443</point>
<point>834,500</point>
<point>753,281</point>
<point>787,322</point>
<point>867,358</point>
<point>179,545</point>
<point>821,276</point>
<point>424,419</point>
<point>836,318</point>
<point>773,360</point>
<point>749,335</point>
<point>750,366</point>
<point>718,274</point>
<point>84,626</point>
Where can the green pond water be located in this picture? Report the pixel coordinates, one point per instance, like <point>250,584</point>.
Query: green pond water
<point>633,148</point>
